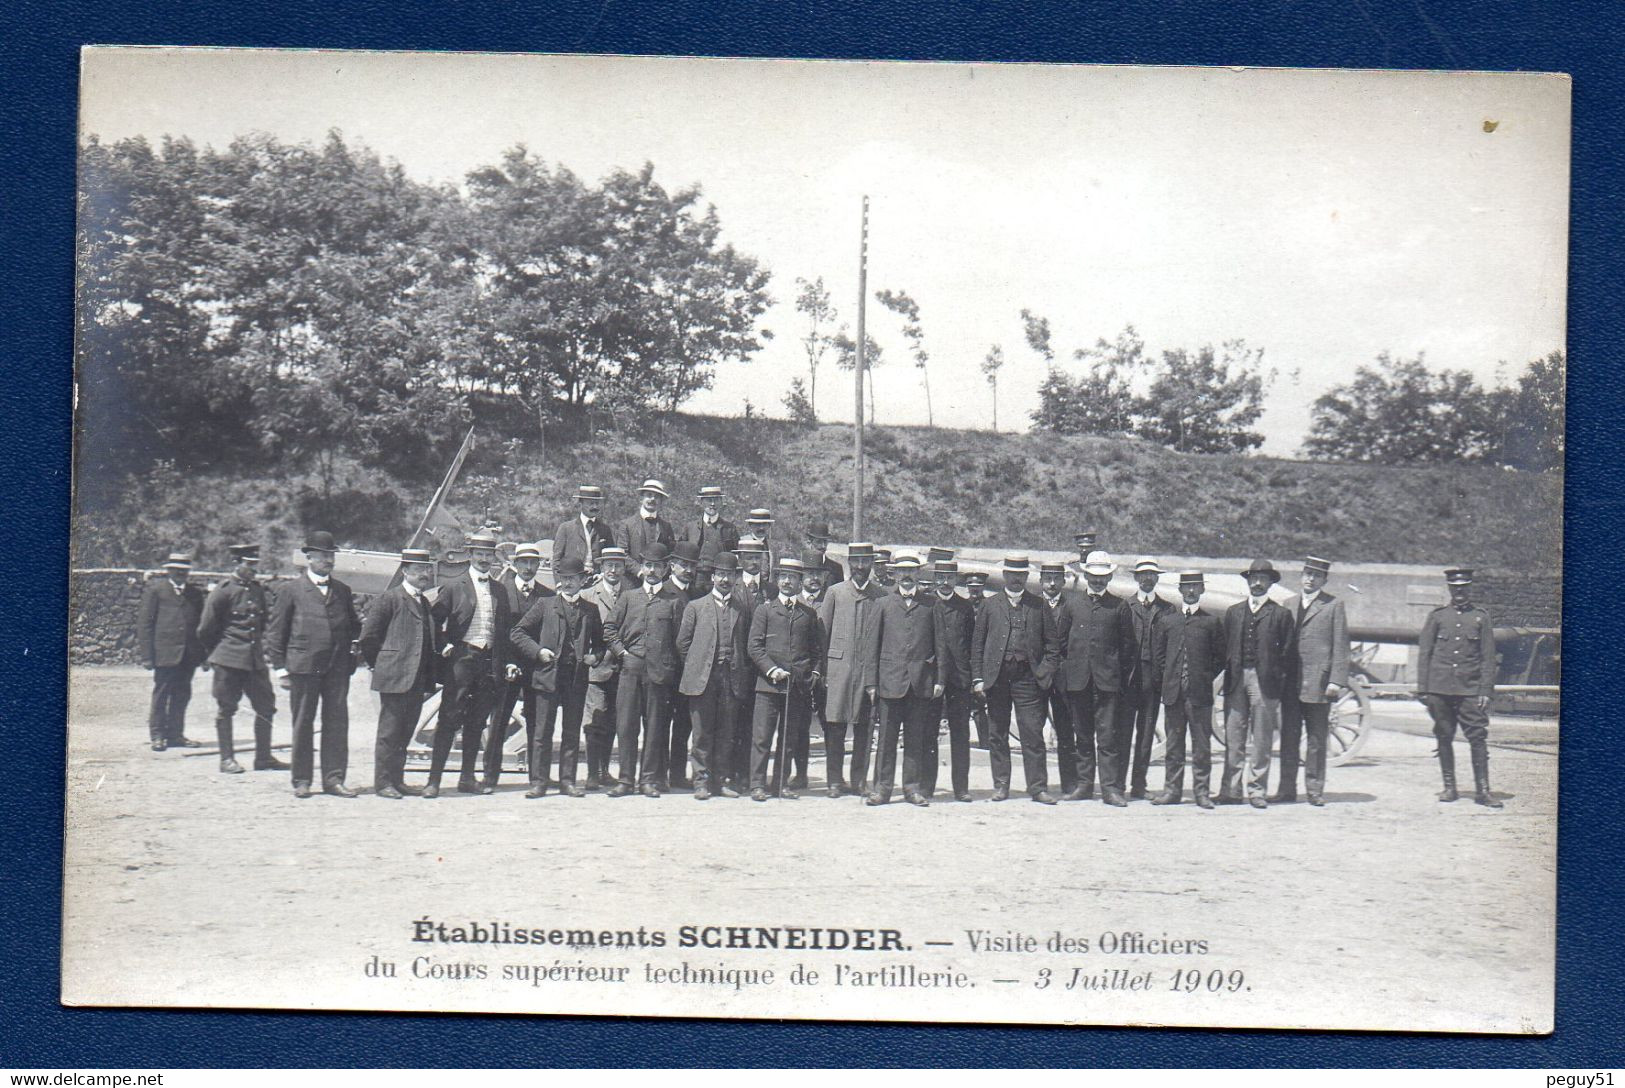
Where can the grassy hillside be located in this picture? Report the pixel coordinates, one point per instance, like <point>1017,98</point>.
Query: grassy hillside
<point>960,488</point>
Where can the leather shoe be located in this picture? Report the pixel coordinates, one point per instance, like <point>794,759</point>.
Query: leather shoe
<point>1204,801</point>
<point>339,789</point>
<point>409,791</point>
<point>962,795</point>
<point>607,780</point>
<point>570,789</point>
<point>678,782</point>
<point>758,794</point>
<point>1487,799</point>
<point>388,791</point>
<point>1258,802</point>
<point>270,764</point>
<point>488,789</point>
<point>431,791</point>
<point>877,799</point>
<point>730,792</point>
<point>621,789</point>
<point>1137,793</point>
<point>1284,797</point>
<point>1449,794</point>
<point>799,782</point>
<point>1043,797</point>
<point>702,792</point>
<point>1077,793</point>
<point>1317,800</point>
<point>230,766</point>
<point>834,792</point>
<point>788,794</point>
<point>1227,799</point>
<point>160,745</point>
<point>1114,799</point>
<point>916,799</point>
<point>1167,797</point>
<point>649,789</point>
<point>1000,793</point>
<point>534,792</point>
<point>185,742</point>
<point>466,784</point>
<point>301,790</point>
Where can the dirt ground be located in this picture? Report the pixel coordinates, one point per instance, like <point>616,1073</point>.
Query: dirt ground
<point>1385,909</point>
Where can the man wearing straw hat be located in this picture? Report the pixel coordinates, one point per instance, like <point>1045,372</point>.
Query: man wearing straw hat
<point>713,641</point>
<point>232,632</point>
<point>1142,687</point>
<point>647,526</point>
<point>524,587</point>
<point>1189,656</point>
<point>784,648</point>
<point>905,645</point>
<point>604,677</point>
<point>711,532</point>
<point>958,625</point>
<point>844,615</point>
<point>1320,664</point>
<point>1259,636</point>
<point>560,638</point>
<point>642,634</point>
<point>586,535</point>
<point>400,642</point>
<point>1014,656</point>
<point>167,631</point>
<point>1099,651</point>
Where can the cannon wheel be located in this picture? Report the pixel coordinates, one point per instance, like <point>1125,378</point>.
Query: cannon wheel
<point>1349,727</point>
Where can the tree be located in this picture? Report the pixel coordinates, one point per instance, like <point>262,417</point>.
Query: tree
<point>992,363</point>
<point>899,303</point>
<point>797,403</point>
<point>814,301</point>
<point>846,358</point>
<point>1205,402</point>
<point>1530,417</point>
<point>1100,401</point>
<point>1399,412</point>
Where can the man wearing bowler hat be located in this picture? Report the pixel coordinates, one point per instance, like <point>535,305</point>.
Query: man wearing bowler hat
<point>604,677</point>
<point>167,628</point>
<point>642,634</point>
<point>1189,656</point>
<point>711,532</point>
<point>1142,684</point>
<point>586,535</point>
<point>973,586</point>
<point>844,616</point>
<point>1095,667</point>
<point>1455,669</point>
<point>475,616</point>
<point>906,642</point>
<point>1052,593</point>
<point>1319,669</point>
<point>784,649</point>
<point>713,641</point>
<point>685,563</point>
<point>400,642</point>
<point>958,625</point>
<point>310,645</point>
<point>232,633</point>
<point>647,526</point>
<point>1015,652</point>
<point>1259,636</point>
<point>818,539</point>
<point>560,638</point>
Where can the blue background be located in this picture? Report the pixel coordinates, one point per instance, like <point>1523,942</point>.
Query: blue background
<point>37,161</point>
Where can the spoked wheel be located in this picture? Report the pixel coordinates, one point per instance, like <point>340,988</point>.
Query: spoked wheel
<point>1350,724</point>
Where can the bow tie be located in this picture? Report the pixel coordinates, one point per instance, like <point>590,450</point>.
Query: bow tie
<point>482,578</point>
<point>651,517</point>
<point>318,581</point>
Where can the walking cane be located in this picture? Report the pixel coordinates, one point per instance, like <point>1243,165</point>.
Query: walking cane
<point>784,730</point>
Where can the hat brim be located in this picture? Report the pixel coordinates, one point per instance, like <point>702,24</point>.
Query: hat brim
<point>1275,575</point>
<point>1097,569</point>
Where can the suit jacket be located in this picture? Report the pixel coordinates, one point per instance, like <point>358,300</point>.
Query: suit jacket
<point>599,594</point>
<point>570,542</point>
<point>1100,645</point>
<point>400,642</point>
<point>1456,653</point>
<point>722,537</point>
<point>1323,646</point>
<point>1189,648</point>
<point>703,627</point>
<point>312,635</point>
<point>785,640</point>
<point>1276,635</point>
<point>904,646</point>
<point>834,571</point>
<point>232,631</point>
<point>764,591</point>
<point>642,632</point>
<point>519,602</point>
<point>570,629</point>
<point>844,615</point>
<point>1042,644</point>
<point>1144,619</point>
<point>454,610</point>
<point>692,592</point>
<point>638,532</point>
<point>167,624</point>
<point>958,625</point>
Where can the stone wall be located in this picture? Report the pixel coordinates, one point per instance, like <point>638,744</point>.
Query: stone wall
<point>1520,599</point>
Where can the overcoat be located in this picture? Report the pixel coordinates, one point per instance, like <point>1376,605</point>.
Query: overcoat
<point>1323,646</point>
<point>167,624</point>
<point>843,614</point>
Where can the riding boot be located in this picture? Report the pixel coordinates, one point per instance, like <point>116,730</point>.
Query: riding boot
<point>263,759</point>
<point>222,734</point>
<point>1447,766</point>
<point>1481,774</point>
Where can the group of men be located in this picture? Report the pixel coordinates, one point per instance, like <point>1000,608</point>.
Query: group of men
<point>698,655</point>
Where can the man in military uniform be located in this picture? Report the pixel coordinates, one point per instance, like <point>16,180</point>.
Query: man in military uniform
<point>166,627</point>
<point>1189,656</point>
<point>232,632</point>
<point>710,531</point>
<point>1259,636</point>
<point>1015,651</point>
<point>882,574</point>
<point>844,616</point>
<point>1320,664</point>
<point>400,643</point>
<point>604,677</point>
<point>1142,684</point>
<point>954,670</point>
<point>586,535</point>
<point>647,526</point>
<point>1455,669</point>
<point>784,648</point>
<point>1086,542</point>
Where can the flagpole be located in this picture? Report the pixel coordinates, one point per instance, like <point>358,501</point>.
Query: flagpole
<point>857,376</point>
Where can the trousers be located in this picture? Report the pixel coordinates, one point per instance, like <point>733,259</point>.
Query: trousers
<point>1098,730</point>
<point>914,716</point>
<point>1066,739</point>
<point>171,692</point>
<point>711,718</point>
<point>398,714</point>
<point>229,687</point>
<point>1251,719</point>
<point>566,704</point>
<point>599,726</point>
<point>955,706</point>
<point>468,705</point>
<point>329,693</point>
<point>1017,690</point>
<point>1138,734</point>
<point>642,707</point>
<point>1310,723</point>
<point>1196,719</point>
<point>770,716</point>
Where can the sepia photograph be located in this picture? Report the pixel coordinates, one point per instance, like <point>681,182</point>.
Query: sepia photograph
<point>827,540</point>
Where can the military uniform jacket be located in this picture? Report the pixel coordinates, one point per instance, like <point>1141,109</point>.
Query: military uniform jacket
<point>721,537</point>
<point>600,595</point>
<point>400,642</point>
<point>1276,635</point>
<point>570,629</point>
<point>571,542</point>
<point>905,644</point>
<point>843,615</point>
<point>991,641</point>
<point>1456,653</point>
<point>232,630</point>
<point>1189,656</point>
<point>454,609</point>
<point>1323,646</point>
<point>1145,618</point>
<point>705,626</point>
<point>642,632</point>
<point>167,624</point>
<point>312,635</point>
<point>1100,645</point>
<point>638,532</point>
<point>958,625</point>
<point>786,638</point>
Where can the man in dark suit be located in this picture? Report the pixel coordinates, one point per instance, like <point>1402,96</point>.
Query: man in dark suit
<point>647,527</point>
<point>1260,639</point>
<point>784,648</point>
<point>900,660</point>
<point>560,638</point>
<point>524,587</point>
<point>1015,651</point>
<point>1100,650</point>
<point>1188,655</point>
<point>1142,684</point>
<point>586,535</point>
<point>818,539</point>
<point>642,635</point>
<point>1052,594</point>
<point>604,677</point>
<point>1320,669</point>
<point>684,579</point>
<point>710,531</point>
<point>475,616</point>
<point>713,640</point>
<point>954,670</point>
<point>166,626</point>
<point>310,645</point>
<point>974,588</point>
<point>400,642</point>
<point>232,633</point>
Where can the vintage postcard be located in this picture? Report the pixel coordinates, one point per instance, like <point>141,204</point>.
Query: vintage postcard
<point>816,539</point>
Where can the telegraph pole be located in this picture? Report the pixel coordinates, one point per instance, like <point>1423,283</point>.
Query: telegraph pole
<point>857,378</point>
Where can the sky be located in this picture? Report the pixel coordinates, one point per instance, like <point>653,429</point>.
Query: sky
<point>1323,216</point>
